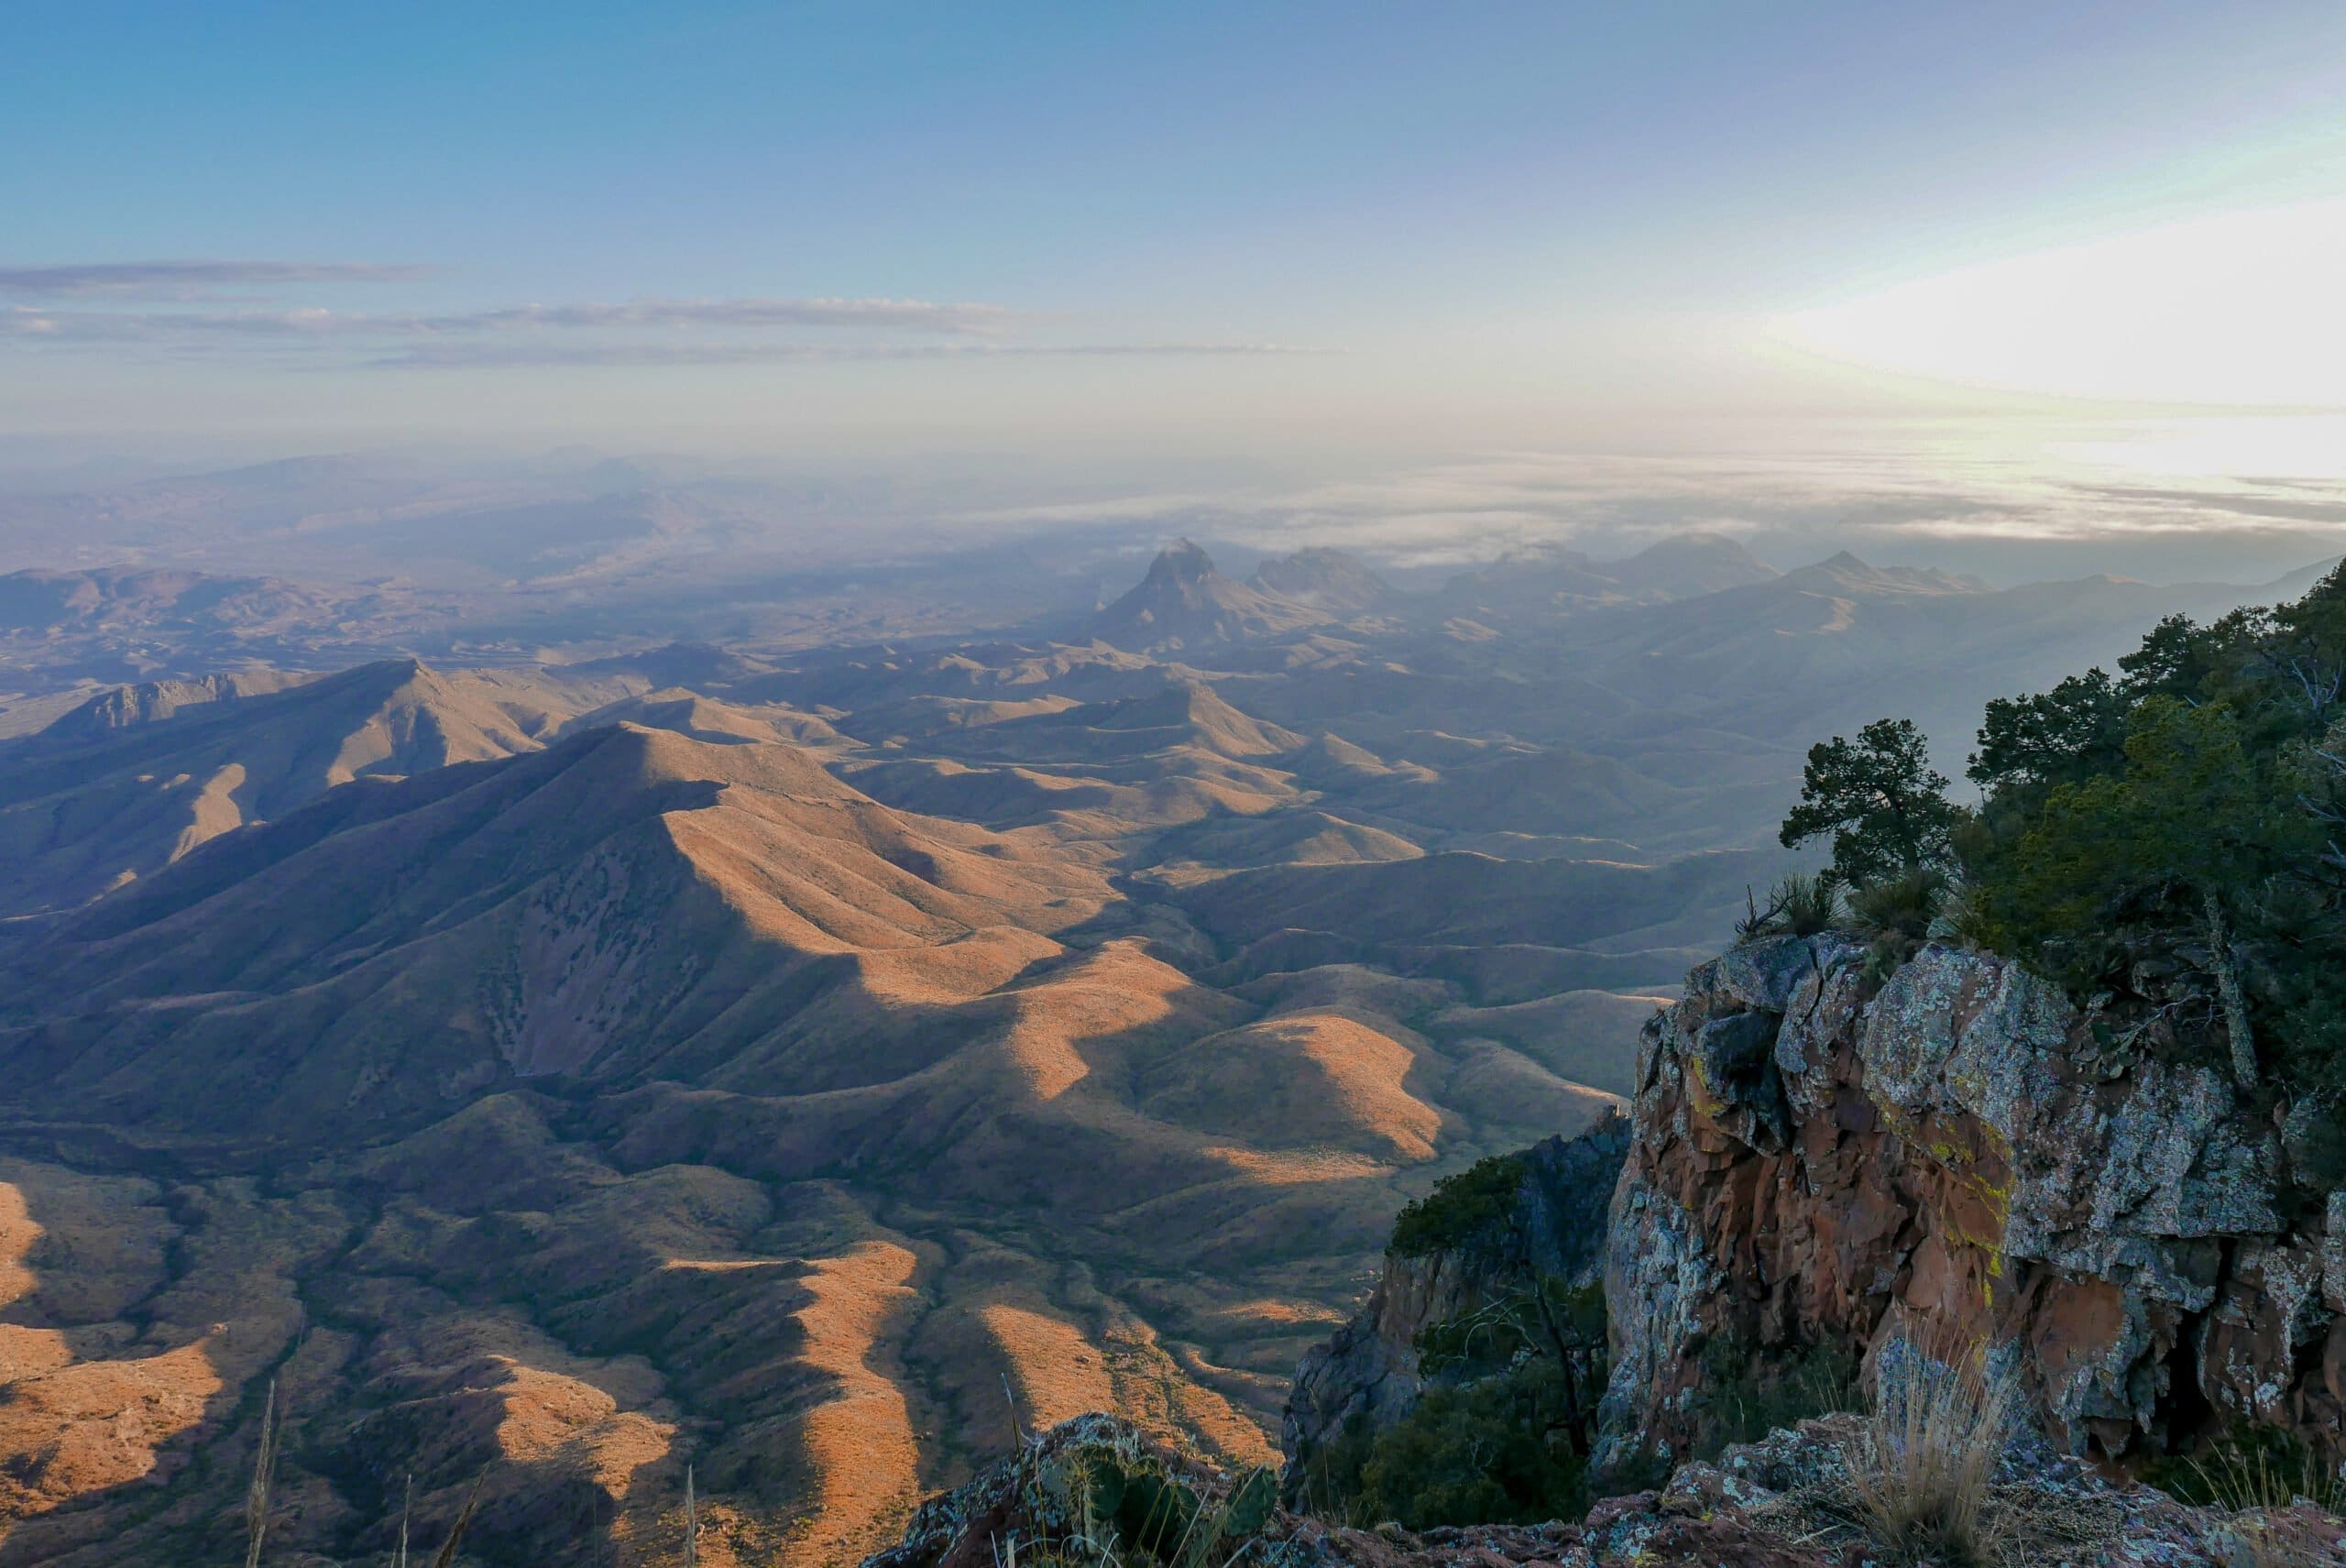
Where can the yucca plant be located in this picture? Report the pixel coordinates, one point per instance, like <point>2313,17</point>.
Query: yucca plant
<point>1797,907</point>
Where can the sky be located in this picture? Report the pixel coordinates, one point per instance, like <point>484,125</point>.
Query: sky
<point>1203,228</point>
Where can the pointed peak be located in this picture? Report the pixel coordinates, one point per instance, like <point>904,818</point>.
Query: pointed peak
<point>1183,561</point>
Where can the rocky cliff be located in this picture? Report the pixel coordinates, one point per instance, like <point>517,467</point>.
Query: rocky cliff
<point>1958,1159</point>
<point>1952,1161</point>
<point>1541,1222</point>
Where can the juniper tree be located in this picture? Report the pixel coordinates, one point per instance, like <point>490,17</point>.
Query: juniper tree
<point>1878,797</point>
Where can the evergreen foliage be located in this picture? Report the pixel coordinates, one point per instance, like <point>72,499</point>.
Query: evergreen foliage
<point>2168,841</point>
<point>1500,1432</point>
<point>1880,799</point>
<point>1459,1208</point>
<point>1497,1451</point>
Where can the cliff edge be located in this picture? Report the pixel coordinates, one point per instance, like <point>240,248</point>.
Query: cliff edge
<point>1958,1161</point>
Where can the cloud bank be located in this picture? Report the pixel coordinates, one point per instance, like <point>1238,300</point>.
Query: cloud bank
<point>1935,503</point>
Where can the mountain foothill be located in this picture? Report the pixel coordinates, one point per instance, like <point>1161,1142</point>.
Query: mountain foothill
<point>815,1064</point>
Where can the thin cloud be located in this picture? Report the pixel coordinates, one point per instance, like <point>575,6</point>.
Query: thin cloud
<point>682,331</point>
<point>129,327</point>
<point>484,356</point>
<point>915,315</point>
<point>169,278</point>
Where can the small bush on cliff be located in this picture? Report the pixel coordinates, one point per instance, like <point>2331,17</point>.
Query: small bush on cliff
<point>1459,1208</point>
<point>1898,914</point>
<point>1556,1319</point>
<point>1500,1435</point>
<point>1881,801</point>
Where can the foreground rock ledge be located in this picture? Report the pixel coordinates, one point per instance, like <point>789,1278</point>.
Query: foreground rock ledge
<point>1778,1504</point>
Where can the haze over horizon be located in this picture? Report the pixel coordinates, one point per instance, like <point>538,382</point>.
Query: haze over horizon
<point>1953,280</point>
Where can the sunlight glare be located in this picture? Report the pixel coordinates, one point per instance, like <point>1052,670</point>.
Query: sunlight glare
<point>2241,308</point>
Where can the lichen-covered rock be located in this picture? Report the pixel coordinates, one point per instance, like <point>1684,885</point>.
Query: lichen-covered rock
<point>1785,1502</point>
<point>2333,1257</point>
<point>1929,1162</point>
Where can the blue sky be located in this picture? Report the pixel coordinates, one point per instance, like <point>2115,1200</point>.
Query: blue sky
<point>1327,217</point>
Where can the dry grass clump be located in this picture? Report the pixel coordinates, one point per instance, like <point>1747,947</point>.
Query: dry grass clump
<point>2261,1483</point>
<point>2247,1475</point>
<point>2274,1541</point>
<point>1922,1468</point>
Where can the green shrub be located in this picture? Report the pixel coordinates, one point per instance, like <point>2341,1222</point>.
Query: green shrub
<point>1879,801</point>
<point>2317,1145</point>
<point>1897,913</point>
<point>1743,1399</point>
<point>1499,1435</point>
<point>2171,840</point>
<point>1459,1209</point>
<point>1903,905</point>
<point>1560,1320</point>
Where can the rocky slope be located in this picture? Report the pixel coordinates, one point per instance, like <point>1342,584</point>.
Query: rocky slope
<point>1952,1161</point>
<point>138,777</point>
<point>645,1100</point>
<point>1783,1503</point>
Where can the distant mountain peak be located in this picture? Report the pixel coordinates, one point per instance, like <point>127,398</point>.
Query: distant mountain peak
<point>1323,578</point>
<point>1183,602</point>
<point>1844,570</point>
<point>1707,543</point>
<point>1183,561</point>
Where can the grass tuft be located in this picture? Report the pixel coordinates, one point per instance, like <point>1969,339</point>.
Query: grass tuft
<point>1922,1466</point>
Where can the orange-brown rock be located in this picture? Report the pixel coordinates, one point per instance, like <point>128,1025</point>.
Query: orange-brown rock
<point>1821,1161</point>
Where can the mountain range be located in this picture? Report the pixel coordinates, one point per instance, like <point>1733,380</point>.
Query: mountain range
<point>812,1062</point>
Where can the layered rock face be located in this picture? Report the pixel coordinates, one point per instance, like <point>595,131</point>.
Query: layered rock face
<point>1553,1228</point>
<point>1948,1160</point>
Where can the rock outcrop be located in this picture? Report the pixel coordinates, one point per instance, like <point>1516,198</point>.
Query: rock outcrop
<point>1785,1503</point>
<point>1552,1228</point>
<point>1950,1159</point>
